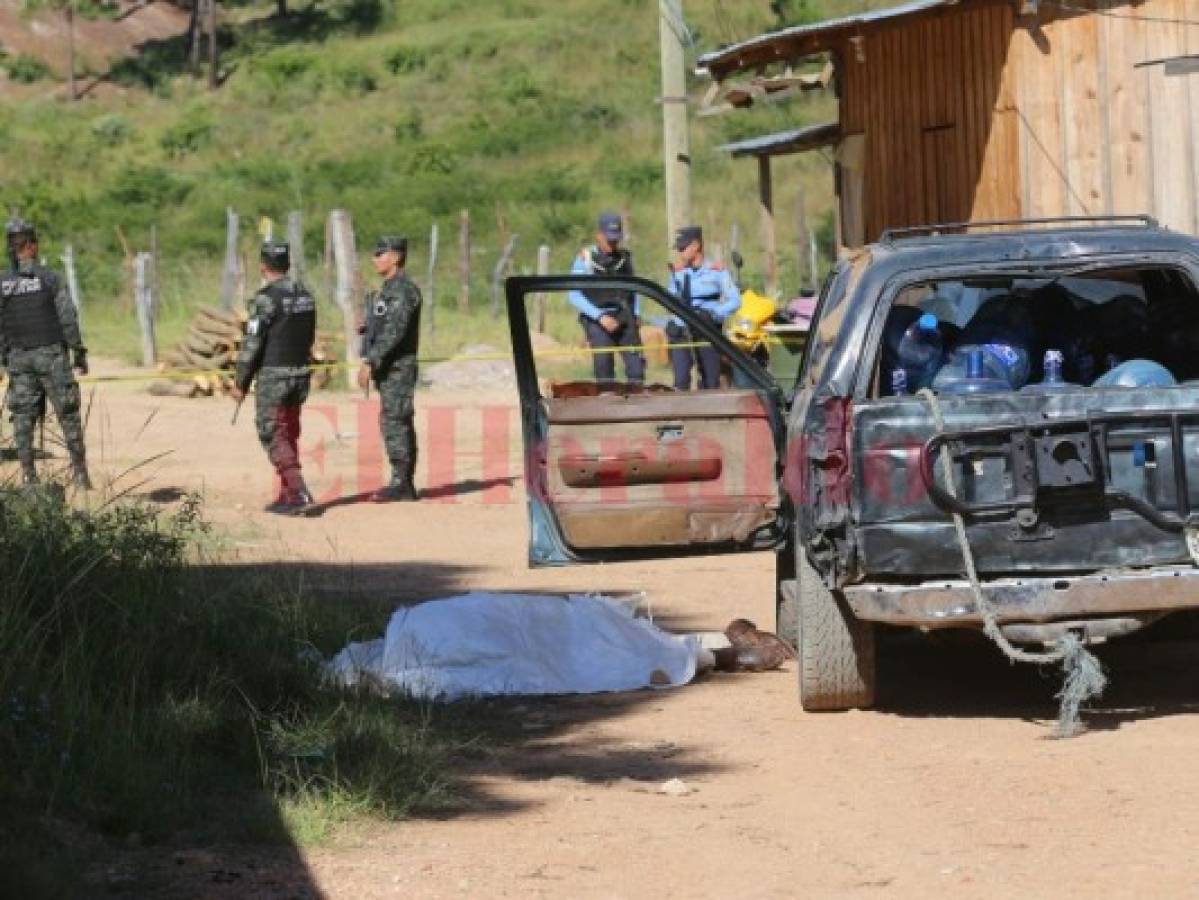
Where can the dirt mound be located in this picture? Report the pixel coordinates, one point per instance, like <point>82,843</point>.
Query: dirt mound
<point>478,366</point>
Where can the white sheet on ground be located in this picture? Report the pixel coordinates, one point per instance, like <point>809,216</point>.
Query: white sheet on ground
<point>484,644</point>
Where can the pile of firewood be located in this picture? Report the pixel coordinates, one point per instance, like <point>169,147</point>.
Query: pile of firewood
<point>206,359</point>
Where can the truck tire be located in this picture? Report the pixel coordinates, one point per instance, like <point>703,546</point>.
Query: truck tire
<point>836,655</point>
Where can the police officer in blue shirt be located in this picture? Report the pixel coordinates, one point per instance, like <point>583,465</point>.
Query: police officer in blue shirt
<point>709,288</point>
<point>610,318</point>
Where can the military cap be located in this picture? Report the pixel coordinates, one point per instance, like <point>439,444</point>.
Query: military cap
<point>611,226</point>
<point>277,255</point>
<point>17,231</point>
<point>686,235</point>
<point>390,242</point>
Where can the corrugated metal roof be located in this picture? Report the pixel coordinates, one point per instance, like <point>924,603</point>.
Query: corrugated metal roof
<point>804,39</point>
<point>794,141</point>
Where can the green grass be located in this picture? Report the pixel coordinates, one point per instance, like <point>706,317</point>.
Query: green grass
<point>529,114</point>
<point>146,691</point>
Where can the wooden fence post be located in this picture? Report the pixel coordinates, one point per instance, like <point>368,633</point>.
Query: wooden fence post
<point>295,242</point>
<point>232,264</point>
<point>543,268</point>
<point>345,263</point>
<point>464,252</point>
<point>144,298</point>
<point>431,284</point>
<point>805,274</point>
<point>498,272</point>
<point>68,263</point>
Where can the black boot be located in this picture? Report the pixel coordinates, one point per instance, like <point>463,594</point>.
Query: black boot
<point>28,469</point>
<point>79,476</point>
<point>293,496</point>
<point>399,490</point>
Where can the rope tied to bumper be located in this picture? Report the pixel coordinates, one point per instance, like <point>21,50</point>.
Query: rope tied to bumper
<point>1083,675</point>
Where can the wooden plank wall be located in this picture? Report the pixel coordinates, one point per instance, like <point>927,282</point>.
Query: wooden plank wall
<point>935,99</point>
<point>1097,134</point>
<point>970,114</point>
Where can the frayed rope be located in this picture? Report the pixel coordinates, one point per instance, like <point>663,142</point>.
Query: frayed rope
<point>1084,679</point>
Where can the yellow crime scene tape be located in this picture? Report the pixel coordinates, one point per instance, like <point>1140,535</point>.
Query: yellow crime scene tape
<point>185,375</point>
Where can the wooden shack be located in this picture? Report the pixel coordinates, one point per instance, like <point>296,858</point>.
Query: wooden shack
<point>988,109</point>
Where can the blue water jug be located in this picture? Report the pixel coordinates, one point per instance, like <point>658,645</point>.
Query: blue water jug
<point>1137,373</point>
<point>921,351</point>
<point>1052,379</point>
<point>968,374</point>
<point>899,383</point>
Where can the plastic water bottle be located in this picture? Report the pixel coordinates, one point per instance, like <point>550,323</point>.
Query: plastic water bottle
<point>1137,373</point>
<point>899,382</point>
<point>921,351</point>
<point>1052,379</point>
<point>973,379</point>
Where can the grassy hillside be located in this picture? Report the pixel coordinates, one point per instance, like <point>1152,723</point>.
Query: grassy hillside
<point>536,113</point>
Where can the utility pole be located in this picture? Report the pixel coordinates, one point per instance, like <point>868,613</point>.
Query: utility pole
<point>676,145</point>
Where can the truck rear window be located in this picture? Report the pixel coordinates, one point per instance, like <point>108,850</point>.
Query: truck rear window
<point>1119,328</point>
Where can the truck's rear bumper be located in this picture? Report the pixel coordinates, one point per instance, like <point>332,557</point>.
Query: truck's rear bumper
<point>945,604</point>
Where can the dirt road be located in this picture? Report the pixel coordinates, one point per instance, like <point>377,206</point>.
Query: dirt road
<point>950,787</point>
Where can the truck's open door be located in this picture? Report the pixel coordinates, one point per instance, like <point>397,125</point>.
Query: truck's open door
<point>617,470</point>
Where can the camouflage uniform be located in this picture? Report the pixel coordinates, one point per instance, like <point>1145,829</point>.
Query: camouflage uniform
<point>282,389</point>
<point>390,348</point>
<point>39,368</point>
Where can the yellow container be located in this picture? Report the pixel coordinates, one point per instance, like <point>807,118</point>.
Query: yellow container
<point>746,325</point>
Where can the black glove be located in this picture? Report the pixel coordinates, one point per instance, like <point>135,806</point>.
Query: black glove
<point>80,362</point>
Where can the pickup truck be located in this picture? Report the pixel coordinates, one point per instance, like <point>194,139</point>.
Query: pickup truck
<point>1078,501</point>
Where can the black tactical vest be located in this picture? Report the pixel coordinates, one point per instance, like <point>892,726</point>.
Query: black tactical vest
<point>618,263</point>
<point>376,316</point>
<point>293,327</point>
<point>30,317</point>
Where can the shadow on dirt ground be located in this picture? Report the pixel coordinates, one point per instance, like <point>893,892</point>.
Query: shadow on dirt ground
<point>960,674</point>
<point>482,746</point>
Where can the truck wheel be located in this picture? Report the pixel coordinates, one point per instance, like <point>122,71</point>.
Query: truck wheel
<point>836,649</point>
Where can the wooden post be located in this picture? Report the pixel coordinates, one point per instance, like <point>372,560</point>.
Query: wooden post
<point>155,282</point>
<point>214,78</point>
<point>68,263</point>
<point>69,16</point>
<point>735,252</point>
<point>717,253</point>
<point>498,272</point>
<point>145,306</point>
<point>431,284</point>
<point>345,263</point>
<point>295,242</point>
<point>806,273</point>
<point>813,262</point>
<point>229,277</point>
<point>543,268</point>
<point>766,207</point>
<point>676,145</point>
<point>464,253</point>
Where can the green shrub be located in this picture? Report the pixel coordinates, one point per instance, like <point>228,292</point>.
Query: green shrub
<point>410,127</point>
<point>148,186</point>
<point>26,69</point>
<point>189,135</point>
<point>405,60</point>
<point>112,130</point>
<point>355,78</point>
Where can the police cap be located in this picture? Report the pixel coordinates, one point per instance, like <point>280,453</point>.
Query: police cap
<point>17,232</point>
<point>611,226</point>
<point>390,242</point>
<point>276,255</point>
<point>686,235</point>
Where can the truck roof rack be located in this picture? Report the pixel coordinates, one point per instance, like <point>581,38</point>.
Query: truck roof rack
<point>893,234</point>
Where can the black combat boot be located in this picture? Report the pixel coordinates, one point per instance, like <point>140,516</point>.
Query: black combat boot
<point>293,496</point>
<point>28,469</point>
<point>79,476</point>
<point>399,490</point>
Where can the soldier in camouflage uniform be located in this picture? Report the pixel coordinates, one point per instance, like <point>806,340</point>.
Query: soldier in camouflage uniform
<point>38,326</point>
<point>389,349</point>
<point>278,350</point>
